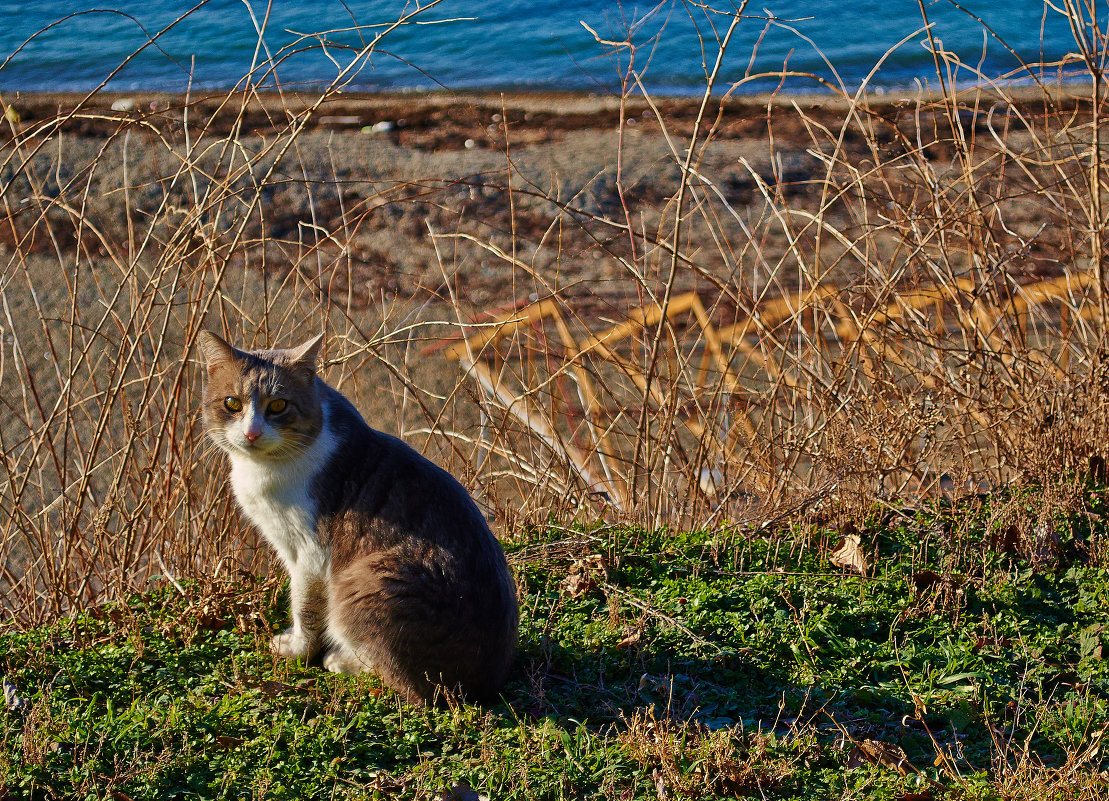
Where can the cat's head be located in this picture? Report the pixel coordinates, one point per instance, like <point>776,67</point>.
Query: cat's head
<point>262,404</point>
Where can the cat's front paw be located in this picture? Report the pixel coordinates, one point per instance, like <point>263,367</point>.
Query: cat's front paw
<point>292,644</point>
<point>341,660</point>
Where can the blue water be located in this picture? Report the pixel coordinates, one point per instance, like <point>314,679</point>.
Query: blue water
<point>510,44</point>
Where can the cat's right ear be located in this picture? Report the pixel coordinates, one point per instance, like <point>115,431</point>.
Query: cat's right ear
<point>216,351</point>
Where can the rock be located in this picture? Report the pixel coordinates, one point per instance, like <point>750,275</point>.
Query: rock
<point>462,791</point>
<point>11,698</point>
<point>379,127</point>
<point>124,104</point>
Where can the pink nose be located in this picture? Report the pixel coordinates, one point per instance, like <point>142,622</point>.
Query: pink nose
<point>253,435</point>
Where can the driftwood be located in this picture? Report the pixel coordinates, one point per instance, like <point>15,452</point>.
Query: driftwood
<point>716,407</point>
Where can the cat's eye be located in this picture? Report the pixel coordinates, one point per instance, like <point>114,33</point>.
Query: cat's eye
<point>232,404</point>
<point>277,406</point>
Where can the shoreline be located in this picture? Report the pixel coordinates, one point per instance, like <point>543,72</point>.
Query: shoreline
<point>541,111</point>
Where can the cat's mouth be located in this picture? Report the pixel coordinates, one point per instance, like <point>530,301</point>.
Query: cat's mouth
<point>268,449</point>
<point>265,448</point>
<point>259,449</point>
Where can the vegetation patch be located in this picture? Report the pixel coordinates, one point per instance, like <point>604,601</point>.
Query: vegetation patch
<point>712,664</point>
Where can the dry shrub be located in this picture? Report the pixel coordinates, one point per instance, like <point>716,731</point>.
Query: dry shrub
<point>118,248</point>
<point>690,761</point>
<point>873,298</point>
<point>915,306</point>
<point>1076,780</point>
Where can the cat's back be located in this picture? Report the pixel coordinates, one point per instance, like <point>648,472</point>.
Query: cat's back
<point>378,476</point>
<point>415,566</point>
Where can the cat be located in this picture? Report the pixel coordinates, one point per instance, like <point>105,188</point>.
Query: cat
<point>392,567</point>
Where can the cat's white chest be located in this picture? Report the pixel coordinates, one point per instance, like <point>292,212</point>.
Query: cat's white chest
<point>277,498</point>
<point>282,510</point>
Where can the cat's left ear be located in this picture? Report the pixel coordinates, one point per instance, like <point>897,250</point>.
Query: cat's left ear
<point>305,355</point>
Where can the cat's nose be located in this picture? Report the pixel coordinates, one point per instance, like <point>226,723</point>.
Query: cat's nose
<point>252,436</point>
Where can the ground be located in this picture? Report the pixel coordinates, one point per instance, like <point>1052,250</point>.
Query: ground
<point>715,664</point>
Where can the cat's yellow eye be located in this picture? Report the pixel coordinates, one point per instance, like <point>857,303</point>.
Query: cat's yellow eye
<point>232,404</point>
<point>277,406</point>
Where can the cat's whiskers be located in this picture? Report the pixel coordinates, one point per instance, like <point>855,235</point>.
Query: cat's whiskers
<point>293,448</point>
<point>292,444</point>
<point>210,448</point>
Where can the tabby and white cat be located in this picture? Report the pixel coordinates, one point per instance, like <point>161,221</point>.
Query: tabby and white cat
<point>391,566</point>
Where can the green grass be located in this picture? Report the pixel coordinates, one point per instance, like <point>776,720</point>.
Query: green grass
<point>710,664</point>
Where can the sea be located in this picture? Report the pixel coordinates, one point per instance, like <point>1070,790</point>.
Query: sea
<point>598,46</point>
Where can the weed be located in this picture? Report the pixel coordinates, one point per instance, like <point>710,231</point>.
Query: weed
<point>728,676</point>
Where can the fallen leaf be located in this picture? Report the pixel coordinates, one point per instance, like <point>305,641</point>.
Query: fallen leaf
<point>660,786</point>
<point>272,689</point>
<point>385,783</point>
<point>576,585</point>
<point>849,554</point>
<point>584,575</point>
<point>11,697</point>
<point>876,752</point>
<point>229,742</point>
<point>990,642</point>
<point>630,639</point>
<point>1007,541</point>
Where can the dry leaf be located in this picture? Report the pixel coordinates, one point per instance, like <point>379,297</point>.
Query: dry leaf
<point>577,584</point>
<point>12,700</point>
<point>878,753</point>
<point>630,639</point>
<point>272,689</point>
<point>926,579</point>
<point>585,574</point>
<point>1007,541</point>
<point>849,554</point>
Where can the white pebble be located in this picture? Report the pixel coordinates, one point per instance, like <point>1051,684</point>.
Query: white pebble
<point>379,127</point>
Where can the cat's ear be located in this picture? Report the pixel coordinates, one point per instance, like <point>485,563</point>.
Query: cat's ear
<point>216,351</point>
<point>305,355</point>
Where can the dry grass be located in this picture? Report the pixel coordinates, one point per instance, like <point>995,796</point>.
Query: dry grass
<point>690,761</point>
<point>915,308</point>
